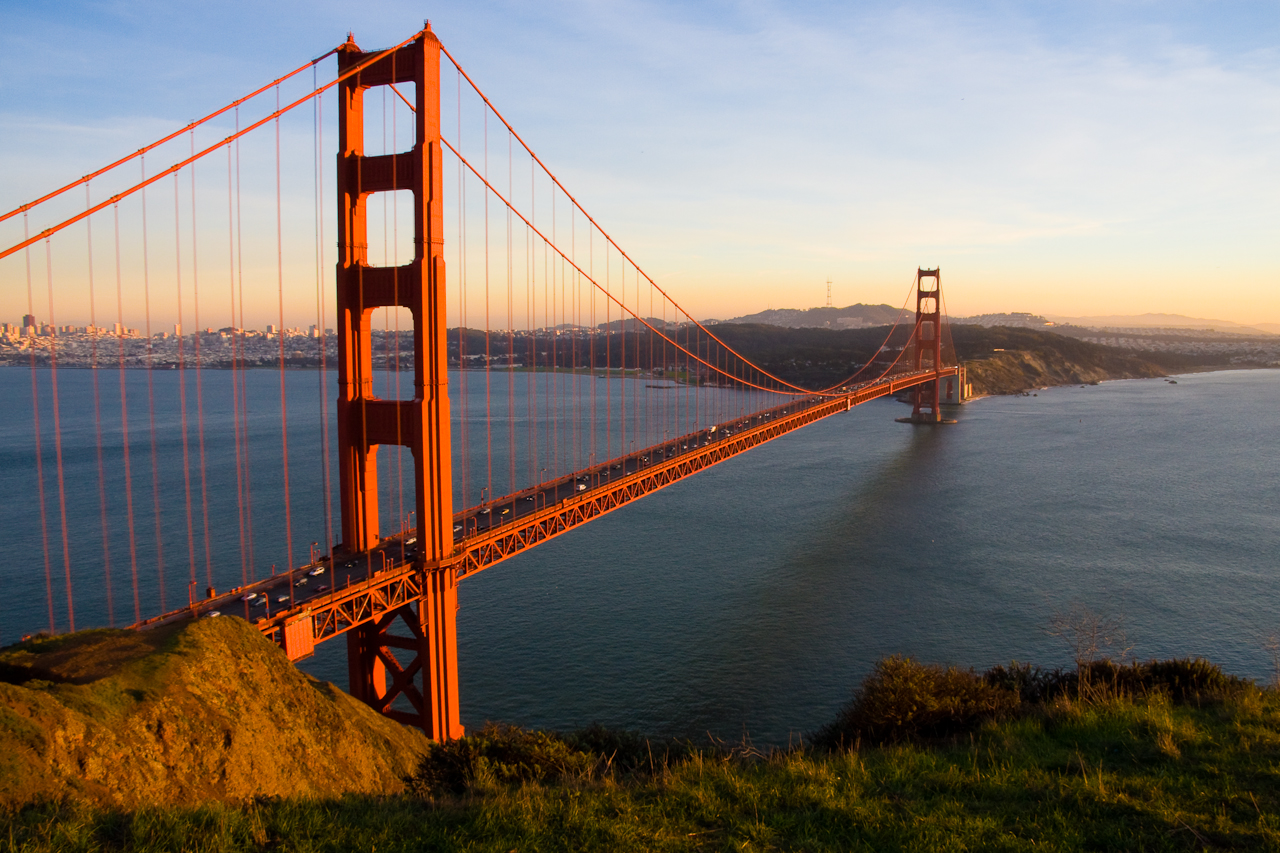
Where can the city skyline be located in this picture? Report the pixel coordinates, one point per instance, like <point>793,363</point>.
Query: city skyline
<point>1108,159</point>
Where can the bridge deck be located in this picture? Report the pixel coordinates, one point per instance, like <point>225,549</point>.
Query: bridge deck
<point>325,598</point>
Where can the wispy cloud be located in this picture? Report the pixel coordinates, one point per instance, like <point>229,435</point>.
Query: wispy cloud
<point>806,140</point>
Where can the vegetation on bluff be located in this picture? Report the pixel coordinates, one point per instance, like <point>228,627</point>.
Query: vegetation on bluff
<point>192,712</point>
<point>1001,359</point>
<point>1172,755</point>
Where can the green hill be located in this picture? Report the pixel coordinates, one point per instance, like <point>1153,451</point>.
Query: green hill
<point>1162,756</point>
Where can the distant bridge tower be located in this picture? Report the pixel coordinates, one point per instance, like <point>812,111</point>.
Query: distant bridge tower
<point>926,398</point>
<point>421,424</point>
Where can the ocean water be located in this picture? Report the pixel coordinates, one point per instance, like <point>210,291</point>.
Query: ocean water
<point>751,599</point>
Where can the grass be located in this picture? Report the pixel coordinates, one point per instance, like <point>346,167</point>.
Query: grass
<point>1118,773</point>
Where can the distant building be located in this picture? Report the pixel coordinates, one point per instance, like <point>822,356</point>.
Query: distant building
<point>28,319</point>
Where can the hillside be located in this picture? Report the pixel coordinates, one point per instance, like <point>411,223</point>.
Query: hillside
<point>1001,359</point>
<point>1007,360</point>
<point>1163,756</point>
<point>849,317</point>
<point>199,711</point>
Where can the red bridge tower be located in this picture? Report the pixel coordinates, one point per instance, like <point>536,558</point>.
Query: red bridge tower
<point>422,423</point>
<point>927,398</point>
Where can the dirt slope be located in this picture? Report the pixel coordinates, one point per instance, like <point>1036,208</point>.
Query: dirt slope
<point>206,710</point>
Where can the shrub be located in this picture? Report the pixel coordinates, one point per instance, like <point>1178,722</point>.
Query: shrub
<point>1034,685</point>
<point>511,755</point>
<point>1182,679</point>
<point>626,752</point>
<point>1186,679</point>
<point>904,700</point>
<point>505,754</point>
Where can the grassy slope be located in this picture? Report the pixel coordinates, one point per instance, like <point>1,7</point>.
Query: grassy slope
<point>199,711</point>
<point>1121,775</point>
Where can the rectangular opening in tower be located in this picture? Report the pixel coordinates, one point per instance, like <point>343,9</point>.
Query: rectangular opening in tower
<point>390,228</point>
<point>389,124</point>
<point>391,340</point>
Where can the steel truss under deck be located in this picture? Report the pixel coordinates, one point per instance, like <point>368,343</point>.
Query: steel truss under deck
<point>385,592</point>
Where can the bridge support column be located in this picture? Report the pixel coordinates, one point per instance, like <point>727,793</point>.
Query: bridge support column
<point>927,397</point>
<point>421,424</point>
<point>427,645</point>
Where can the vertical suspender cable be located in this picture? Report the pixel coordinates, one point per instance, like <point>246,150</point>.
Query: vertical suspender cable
<point>591,372</point>
<point>463,426</point>
<point>284,414</point>
<point>236,337</point>
<point>35,411</point>
<point>244,384</point>
<point>550,385</point>
<point>608,363</point>
<point>321,334</point>
<point>151,397</point>
<point>511,329</point>
<point>182,381</point>
<point>195,304</point>
<point>124,423</point>
<point>97,421</point>
<point>395,297</point>
<point>531,285</point>
<point>488,361</point>
<point>57,435</point>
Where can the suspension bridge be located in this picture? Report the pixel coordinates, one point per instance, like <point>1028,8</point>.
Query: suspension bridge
<point>545,381</point>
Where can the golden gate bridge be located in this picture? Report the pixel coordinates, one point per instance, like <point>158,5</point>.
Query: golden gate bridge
<point>553,380</point>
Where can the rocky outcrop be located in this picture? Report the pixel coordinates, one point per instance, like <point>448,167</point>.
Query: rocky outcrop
<point>200,711</point>
<point>1022,370</point>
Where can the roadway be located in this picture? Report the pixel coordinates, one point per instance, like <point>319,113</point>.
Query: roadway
<point>324,580</point>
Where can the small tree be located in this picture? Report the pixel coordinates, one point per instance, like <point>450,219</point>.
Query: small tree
<point>1092,637</point>
<point>1271,644</point>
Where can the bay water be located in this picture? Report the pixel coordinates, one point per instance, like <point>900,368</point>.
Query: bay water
<point>750,599</point>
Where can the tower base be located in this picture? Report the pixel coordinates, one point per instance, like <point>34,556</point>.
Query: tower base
<point>927,421</point>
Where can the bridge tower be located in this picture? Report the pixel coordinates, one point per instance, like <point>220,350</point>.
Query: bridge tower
<point>365,421</point>
<point>927,398</point>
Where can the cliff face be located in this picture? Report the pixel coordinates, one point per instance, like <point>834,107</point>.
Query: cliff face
<point>206,710</point>
<point>1006,360</point>
<point>1014,372</point>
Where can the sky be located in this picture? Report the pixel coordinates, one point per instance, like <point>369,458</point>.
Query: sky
<point>1078,158</point>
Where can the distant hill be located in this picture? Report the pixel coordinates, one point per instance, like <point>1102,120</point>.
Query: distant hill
<point>850,317</point>
<point>1015,319</point>
<point>631,324</point>
<point>1002,359</point>
<point>1164,321</point>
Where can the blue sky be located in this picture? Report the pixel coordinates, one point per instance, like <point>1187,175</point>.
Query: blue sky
<point>1068,158</point>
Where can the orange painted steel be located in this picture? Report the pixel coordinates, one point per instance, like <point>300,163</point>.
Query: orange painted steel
<point>421,424</point>
<point>398,594</point>
<point>927,406</point>
<point>162,140</point>
<point>381,596</point>
<point>182,164</point>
